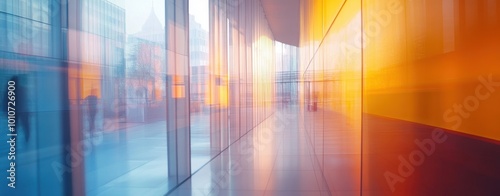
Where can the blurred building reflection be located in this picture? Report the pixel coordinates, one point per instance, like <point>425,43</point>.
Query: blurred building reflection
<point>198,61</point>
<point>249,97</point>
<point>146,83</point>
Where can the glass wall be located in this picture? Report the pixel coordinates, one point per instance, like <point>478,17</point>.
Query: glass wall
<point>119,97</point>
<point>34,96</point>
<point>115,97</point>
<point>201,149</point>
<point>287,75</point>
<point>398,96</point>
<point>91,96</point>
<point>234,88</point>
<point>430,82</point>
<point>330,94</point>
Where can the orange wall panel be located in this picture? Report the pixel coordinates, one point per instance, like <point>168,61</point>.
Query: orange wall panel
<point>428,60</point>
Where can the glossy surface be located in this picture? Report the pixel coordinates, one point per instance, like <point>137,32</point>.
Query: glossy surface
<point>393,71</point>
<point>428,160</point>
<point>275,158</point>
<point>396,97</point>
<point>110,92</point>
<point>428,65</point>
<point>443,57</point>
<point>331,91</point>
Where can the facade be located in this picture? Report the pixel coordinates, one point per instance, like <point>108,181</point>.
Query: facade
<point>198,59</point>
<point>369,98</point>
<point>55,49</point>
<point>102,56</point>
<point>146,82</point>
<point>398,76</point>
<point>30,45</point>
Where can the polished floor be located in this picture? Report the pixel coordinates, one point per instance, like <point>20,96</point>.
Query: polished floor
<point>132,160</point>
<point>278,158</point>
<point>275,158</point>
<point>460,164</point>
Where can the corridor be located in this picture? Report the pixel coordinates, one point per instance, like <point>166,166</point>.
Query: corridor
<point>249,97</point>
<point>275,158</point>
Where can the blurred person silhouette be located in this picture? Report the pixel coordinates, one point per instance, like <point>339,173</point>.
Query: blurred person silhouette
<point>21,106</point>
<point>315,101</point>
<point>92,110</point>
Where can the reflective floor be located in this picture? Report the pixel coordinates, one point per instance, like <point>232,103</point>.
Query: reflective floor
<point>136,147</point>
<point>274,159</point>
<point>459,164</point>
<point>127,163</point>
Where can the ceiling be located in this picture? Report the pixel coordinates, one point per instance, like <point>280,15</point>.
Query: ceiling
<point>283,17</point>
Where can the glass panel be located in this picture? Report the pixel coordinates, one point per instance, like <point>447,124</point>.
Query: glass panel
<point>118,97</point>
<point>425,116</point>
<point>201,151</point>
<point>330,66</point>
<point>39,117</point>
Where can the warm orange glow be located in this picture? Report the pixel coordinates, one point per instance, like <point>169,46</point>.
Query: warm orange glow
<point>179,89</point>
<point>417,68</point>
<point>84,77</point>
<point>330,59</point>
<point>223,92</point>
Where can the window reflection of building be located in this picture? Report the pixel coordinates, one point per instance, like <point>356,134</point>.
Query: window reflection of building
<point>145,84</point>
<point>60,56</point>
<point>198,51</point>
<point>35,28</point>
<point>287,74</point>
<point>27,30</point>
<point>102,40</point>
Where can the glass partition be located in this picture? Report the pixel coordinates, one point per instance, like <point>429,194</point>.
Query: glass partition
<point>397,95</point>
